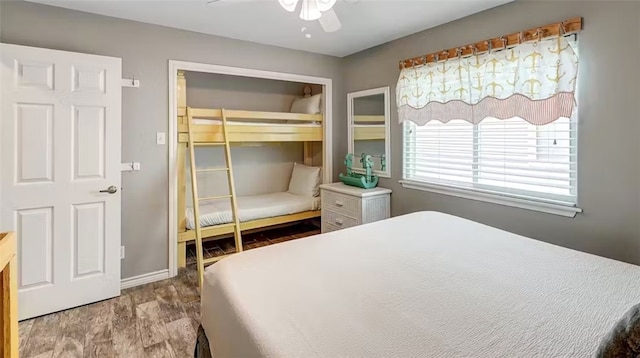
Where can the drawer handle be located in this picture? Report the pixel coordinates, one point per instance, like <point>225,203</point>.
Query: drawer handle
<point>339,221</point>
<point>339,203</point>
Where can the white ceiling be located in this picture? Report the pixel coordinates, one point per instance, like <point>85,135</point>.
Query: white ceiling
<point>365,23</point>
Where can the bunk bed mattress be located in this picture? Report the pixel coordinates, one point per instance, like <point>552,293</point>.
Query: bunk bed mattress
<point>423,284</point>
<point>216,212</point>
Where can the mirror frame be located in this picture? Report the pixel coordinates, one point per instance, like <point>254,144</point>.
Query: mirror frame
<point>387,126</point>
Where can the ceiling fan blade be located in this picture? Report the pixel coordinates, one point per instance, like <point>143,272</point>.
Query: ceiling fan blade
<point>325,5</point>
<point>289,5</point>
<point>329,21</point>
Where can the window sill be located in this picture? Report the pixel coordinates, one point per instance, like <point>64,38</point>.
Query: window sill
<point>522,203</point>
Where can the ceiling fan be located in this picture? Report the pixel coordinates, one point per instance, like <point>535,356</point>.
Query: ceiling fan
<point>321,10</point>
<point>310,10</point>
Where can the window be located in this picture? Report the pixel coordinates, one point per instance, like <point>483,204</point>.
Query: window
<point>509,157</point>
<point>500,126</point>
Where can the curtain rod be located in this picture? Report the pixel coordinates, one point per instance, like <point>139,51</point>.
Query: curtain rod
<point>566,27</point>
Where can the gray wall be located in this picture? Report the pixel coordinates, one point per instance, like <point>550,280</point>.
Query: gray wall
<point>209,90</point>
<point>609,122</point>
<point>145,51</point>
<point>259,168</point>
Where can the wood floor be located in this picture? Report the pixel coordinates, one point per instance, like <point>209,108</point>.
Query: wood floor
<point>159,319</point>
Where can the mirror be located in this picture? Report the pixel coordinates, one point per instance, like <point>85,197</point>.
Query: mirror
<point>369,128</point>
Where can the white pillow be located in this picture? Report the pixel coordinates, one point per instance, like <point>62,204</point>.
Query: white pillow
<point>305,180</point>
<point>309,105</point>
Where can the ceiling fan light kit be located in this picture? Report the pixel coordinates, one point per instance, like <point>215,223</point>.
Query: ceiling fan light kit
<point>309,9</point>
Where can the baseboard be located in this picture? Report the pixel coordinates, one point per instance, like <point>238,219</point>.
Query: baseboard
<point>144,279</point>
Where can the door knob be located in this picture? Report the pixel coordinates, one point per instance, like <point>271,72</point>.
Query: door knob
<point>111,190</point>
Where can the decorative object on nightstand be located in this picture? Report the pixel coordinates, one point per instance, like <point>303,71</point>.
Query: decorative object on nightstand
<point>345,206</point>
<point>366,180</point>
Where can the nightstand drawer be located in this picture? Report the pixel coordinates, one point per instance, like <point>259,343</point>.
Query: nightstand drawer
<point>339,220</point>
<point>341,203</point>
<point>326,227</point>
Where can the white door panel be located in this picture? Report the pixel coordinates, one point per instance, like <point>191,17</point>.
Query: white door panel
<point>34,147</point>
<point>59,146</point>
<point>88,142</point>
<point>88,239</point>
<point>33,74</point>
<point>36,229</point>
<point>88,79</point>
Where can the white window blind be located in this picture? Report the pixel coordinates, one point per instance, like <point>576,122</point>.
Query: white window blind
<point>510,157</point>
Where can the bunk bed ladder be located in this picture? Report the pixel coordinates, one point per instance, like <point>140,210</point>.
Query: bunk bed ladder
<point>196,198</point>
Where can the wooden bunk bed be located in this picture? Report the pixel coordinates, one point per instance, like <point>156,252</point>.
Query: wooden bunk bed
<point>9,298</point>
<point>368,127</point>
<point>240,127</point>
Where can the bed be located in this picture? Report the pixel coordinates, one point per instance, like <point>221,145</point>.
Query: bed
<point>254,207</point>
<point>253,126</point>
<point>305,123</point>
<point>418,285</point>
<point>9,298</point>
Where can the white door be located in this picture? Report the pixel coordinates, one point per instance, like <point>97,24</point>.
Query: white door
<point>59,147</point>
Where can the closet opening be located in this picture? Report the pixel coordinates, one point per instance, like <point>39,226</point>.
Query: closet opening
<point>260,151</point>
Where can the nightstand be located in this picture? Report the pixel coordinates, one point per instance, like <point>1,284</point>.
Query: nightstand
<point>346,206</point>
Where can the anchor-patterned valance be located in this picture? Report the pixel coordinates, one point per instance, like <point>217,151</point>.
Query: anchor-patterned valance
<point>535,81</point>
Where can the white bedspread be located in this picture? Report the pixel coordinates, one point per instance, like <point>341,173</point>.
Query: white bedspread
<point>421,285</point>
<point>215,212</point>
